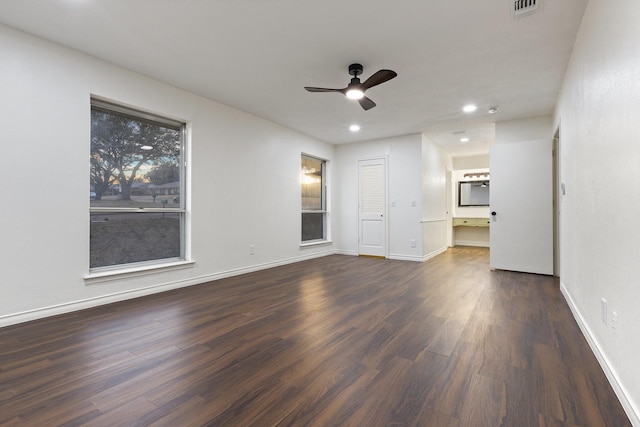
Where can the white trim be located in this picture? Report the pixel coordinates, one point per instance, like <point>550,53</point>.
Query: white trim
<point>618,388</point>
<point>434,253</point>
<point>422,258</point>
<point>108,210</point>
<point>346,252</point>
<point>315,243</point>
<point>424,220</point>
<point>54,310</point>
<point>398,257</point>
<point>471,243</point>
<point>138,270</point>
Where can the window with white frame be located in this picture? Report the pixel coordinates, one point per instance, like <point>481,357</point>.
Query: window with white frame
<point>313,192</point>
<point>137,187</point>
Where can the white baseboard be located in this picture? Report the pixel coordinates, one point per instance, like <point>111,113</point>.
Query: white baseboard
<point>40,313</point>
<point>630,409</point>
<point>434,253</point>
<point>471,243</point>
<point>422,258</point>
<point>346,252</point>
<point>399,257</point>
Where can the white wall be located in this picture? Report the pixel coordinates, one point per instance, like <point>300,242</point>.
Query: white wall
<point>416,196</point>
<point>244,181</point>
<point>600,166</point>
<point>471,162</point>
<point>405,197</point>
<point>529,129</point>
<point>403,165</point>
<point>434,218</point>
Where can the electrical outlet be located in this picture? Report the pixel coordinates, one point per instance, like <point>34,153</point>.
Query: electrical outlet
<point>412,242</point>
<point>252,249</point>
<point>614,322</point>
<point>603,310</point>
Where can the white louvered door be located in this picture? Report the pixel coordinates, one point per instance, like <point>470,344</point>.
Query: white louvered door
<point>372,207</point>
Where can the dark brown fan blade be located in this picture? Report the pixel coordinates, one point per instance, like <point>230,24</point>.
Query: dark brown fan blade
<point>377,78</point>
<point>366,103</point>
<point>324,89</point>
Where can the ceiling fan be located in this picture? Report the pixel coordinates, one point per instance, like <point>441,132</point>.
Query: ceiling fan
<point>355,89</point>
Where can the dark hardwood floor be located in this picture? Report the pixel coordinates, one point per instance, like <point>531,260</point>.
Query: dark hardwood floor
<point>336,341</point>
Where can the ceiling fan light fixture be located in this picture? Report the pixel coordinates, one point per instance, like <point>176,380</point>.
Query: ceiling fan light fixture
<point>355,94</point>
<point>355,90</point>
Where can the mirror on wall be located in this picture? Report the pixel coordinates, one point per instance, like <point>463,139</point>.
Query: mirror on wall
<point>473,193</point>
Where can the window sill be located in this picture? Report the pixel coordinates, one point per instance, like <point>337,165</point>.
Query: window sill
<point>134,271</point>
<point>315,243</point>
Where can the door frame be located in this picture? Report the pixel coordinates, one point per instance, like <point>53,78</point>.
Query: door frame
<point>385,159</point>
<point>449,207</point>
<point>557,197</point>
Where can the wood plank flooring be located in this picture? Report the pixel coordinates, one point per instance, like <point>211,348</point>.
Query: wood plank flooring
<point>336,341</point>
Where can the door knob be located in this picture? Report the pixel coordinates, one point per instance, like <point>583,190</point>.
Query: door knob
<point>493,213</point>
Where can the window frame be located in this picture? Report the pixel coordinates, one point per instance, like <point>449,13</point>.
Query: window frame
<point>323,200</point>
<point>143,267</point>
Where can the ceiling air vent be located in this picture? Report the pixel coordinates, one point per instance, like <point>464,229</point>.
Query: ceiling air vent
<point>525,7</point>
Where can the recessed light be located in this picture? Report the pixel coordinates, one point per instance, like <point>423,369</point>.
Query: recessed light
<point>469,108</point>
<point>354,128</point>
<point>493,110</point>
<point>465,139</point>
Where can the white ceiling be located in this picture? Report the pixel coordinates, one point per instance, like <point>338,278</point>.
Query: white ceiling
<point>257,55</point>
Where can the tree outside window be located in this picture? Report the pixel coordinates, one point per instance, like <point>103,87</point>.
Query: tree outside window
<point>137,187</point>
